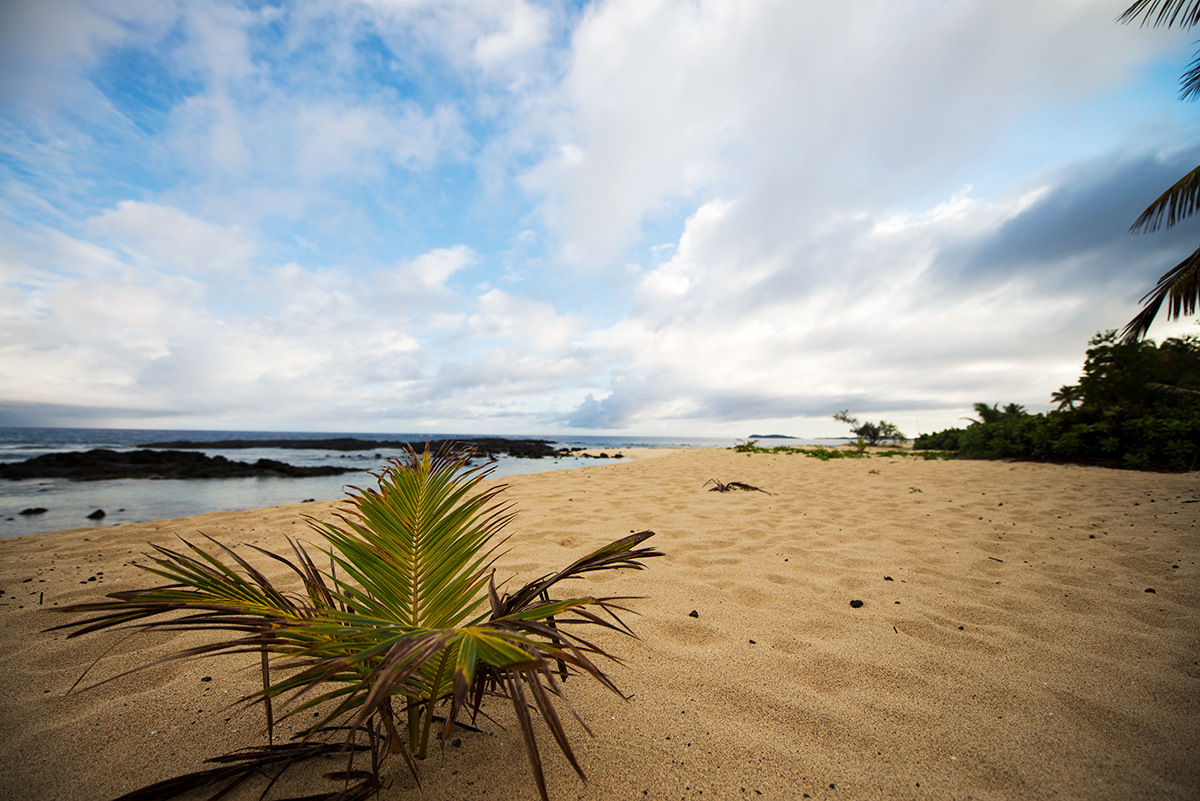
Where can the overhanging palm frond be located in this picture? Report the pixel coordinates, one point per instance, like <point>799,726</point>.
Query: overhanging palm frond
<point>1176,203</point>
<point>1159,13</point>
<point>1180,288</point>
<point>1189,82</point>
<point>1180,285</point>
<point>1179,392</point>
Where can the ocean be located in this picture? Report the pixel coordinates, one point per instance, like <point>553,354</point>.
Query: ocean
<point>131,500</point>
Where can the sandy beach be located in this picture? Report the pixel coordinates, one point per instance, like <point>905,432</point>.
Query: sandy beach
<point>1027,631</point>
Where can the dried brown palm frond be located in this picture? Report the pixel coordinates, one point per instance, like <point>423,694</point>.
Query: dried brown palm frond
<point>718,486</point>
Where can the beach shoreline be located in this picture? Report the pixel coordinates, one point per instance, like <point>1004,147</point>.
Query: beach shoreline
<point>1008,644</point>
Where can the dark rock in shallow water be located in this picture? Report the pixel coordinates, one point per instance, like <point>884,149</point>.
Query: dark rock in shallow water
<point>99,464</point>
<point>487,446</point>
<point>99,514</point>
<point>34,510</point>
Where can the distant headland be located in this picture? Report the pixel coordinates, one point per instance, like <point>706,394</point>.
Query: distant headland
<point>101,463</point>
<point>485,446</point>
<point>179,459</point>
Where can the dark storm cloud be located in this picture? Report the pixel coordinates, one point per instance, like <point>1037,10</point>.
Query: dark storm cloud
<point>1083,219</point>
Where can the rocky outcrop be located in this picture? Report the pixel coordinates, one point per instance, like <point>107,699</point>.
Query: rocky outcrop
<point>484,446</point>
<point>99,464</point>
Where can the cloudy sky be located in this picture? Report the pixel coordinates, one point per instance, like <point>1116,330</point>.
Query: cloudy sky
<point>652,217</point>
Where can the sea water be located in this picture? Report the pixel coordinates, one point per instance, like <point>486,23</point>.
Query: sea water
<point>130,500</point>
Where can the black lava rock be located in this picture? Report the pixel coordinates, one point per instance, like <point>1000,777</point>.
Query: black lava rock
<point>34,510</point>
<point>483,446</point>
<point>856,604</point>
<point>101,463</point>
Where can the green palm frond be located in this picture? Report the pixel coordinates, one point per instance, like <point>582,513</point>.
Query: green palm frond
<point>1163,13</point>
<point>1170,389</point>
<point>407,618</point>
<point>1189,82</point>
<point>1176,203</point>
<point>1179,288</point>
<point>1180,285</point>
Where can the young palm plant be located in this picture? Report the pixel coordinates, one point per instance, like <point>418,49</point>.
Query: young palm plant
<point>407,620</point>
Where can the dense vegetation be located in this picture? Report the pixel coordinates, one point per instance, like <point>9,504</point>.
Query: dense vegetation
<point>1137,405</point>
<point>825,454</point>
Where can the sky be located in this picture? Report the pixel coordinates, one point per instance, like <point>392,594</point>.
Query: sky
<point>642,217</point>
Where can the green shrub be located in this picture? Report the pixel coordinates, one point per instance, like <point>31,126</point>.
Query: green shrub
<point>941,440</point>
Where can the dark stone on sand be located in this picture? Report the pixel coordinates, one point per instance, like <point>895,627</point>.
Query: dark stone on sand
<point>888,578</point>
<point>101,463</point>
<point>1149,589</point>
<point>856,603</point>
<point>483,446</point>
<point>99,514</point>
<point>34,510</point>
<point>693,613</point>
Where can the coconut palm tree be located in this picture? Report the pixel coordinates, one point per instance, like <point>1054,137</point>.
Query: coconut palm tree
<point>1068,396</point>
<point>1179,288</point>
<point>986,414</point>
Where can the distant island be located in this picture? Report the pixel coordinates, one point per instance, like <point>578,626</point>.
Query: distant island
<point>484,446</point>
<point>771,436</point>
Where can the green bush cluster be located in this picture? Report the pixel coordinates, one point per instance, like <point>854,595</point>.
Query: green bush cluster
<point>1140,409</point>
<point>939,440</point>
<point>825,454</point>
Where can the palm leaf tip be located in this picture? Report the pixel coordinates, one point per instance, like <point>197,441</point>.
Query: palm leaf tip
<point>1179,288</point>
<point>1163,13</point>
<point>1173,205</point>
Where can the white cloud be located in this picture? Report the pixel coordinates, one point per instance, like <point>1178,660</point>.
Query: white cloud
<point>169,239</point>
<point>733,211</point>
<point>800,108</point>
<point>524,321</point>
<point>431,270</point>
<point>335,140</point>
<point>44,43</point>
<point>525,28</point>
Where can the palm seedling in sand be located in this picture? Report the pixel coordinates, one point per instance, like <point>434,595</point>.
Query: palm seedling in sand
<point>407,623</point>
